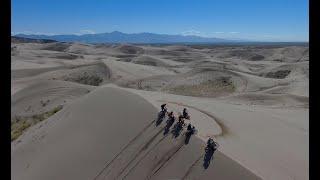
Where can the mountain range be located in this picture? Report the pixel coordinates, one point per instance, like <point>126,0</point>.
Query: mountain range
<point>120,37</point>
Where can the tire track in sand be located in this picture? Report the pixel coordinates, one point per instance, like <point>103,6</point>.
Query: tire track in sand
<point>107,164</point>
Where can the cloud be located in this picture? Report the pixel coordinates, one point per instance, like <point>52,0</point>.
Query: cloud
<point>88,31</point>
<point>85,31</point>
<point>115,25</point>
<point>21,32</point>
<point>234,32</point>
<point>191,33</point>
<point>218,32</point>
<point>32,33</point>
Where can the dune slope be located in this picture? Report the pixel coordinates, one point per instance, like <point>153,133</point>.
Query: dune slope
<point>79,143</point>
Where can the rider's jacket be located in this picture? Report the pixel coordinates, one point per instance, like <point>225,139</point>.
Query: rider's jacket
<point>212,146</point>
<point>185,114</point>
<point>171,118</point>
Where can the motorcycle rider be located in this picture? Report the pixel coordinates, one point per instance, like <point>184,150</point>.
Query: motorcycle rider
<point>181,120</point>
<point>212,145</point>
<point>163,111</point>
<point>190,128</point>
<point>163,107</point>
<point>169,122</point>
<point>185,113</point>
<point>171,119</point>
<point>178,126</point>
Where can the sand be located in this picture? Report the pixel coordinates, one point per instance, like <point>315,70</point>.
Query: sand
<point>254,100</point>
<point>73,145</point>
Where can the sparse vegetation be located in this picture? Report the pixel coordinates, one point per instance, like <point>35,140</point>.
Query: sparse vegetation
<point>21,124</point>
<point>208,89</point>
<point>148,63</point>
<point>67,56</point>
<point>281,74</point>
<point>85,78</point>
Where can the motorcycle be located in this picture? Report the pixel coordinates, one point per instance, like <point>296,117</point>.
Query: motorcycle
<point>189,133</point>
<point>177,129</point>
<point>169,124</point>
<point>161,116</point>
<point>209,151</point>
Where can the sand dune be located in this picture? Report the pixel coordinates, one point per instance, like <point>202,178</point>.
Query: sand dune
<point>91,74</point>
<point>147,60</point>
<point>40,100</point>
<point>124,73</point>
<point>88,143</point>
<point>248,132</point>
<point>262,53</point>
<point>129,49</point>
<point>42,96</point>
<point>197,82</point>
<point>80,105</point>
<point>58,46</point>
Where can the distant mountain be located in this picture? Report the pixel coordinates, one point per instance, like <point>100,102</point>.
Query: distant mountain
<point>15,39</point>
<point>119,37</point>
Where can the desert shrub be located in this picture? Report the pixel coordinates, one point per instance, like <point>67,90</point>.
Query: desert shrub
<point>21,124</point>
<point>209,88</point>
<point>281,74</point>
<point>85,78</point>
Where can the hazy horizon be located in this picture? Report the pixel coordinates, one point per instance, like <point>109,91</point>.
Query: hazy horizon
<point>231,40</point>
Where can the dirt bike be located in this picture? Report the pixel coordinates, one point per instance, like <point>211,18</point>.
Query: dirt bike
<point>161,116</point>
<point>188,134</point>
<point>177,129</point>
<point>167,128</point>
<point>209,151</point>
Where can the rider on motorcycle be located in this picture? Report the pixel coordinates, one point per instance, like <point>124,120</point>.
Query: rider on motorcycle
<point>185,113</point>
<point>190,128</point>
<point>163,111</point>
<point>181,120</point>
<point>171,118</point>
<point>212,145</point>
<point>163,107</point>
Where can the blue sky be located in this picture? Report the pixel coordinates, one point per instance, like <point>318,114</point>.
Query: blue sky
<point>267,20</point>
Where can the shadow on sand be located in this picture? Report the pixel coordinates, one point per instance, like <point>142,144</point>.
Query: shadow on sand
<point>188,136</point>
<point>160,118</point>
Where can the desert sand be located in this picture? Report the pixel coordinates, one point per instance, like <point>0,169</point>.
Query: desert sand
<point>84,111</point>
